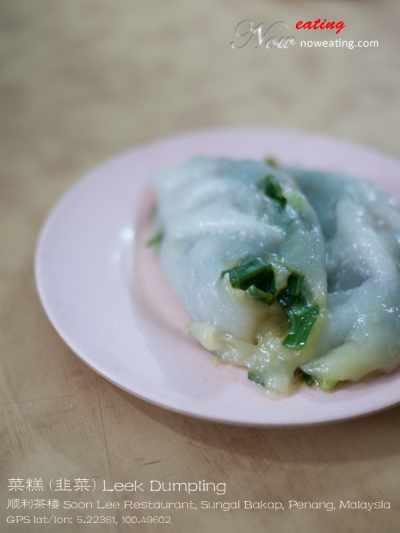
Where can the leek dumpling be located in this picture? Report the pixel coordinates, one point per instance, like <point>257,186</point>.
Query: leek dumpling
<point>284,271</point>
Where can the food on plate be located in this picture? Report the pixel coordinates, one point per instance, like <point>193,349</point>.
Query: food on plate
<point>290,273</point>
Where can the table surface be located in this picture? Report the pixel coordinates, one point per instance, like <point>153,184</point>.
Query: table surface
<point>84,80</point>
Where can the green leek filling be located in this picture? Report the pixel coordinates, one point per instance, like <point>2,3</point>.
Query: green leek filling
<point>272,162</point>
<point>274,190</point>
<point>324,384</point>
<point>253,376</point>
<point>156,239</point>
<point>258,280</point>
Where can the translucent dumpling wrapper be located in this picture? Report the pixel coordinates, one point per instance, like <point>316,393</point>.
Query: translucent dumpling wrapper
<point>361,226</point>
<point>285,272</point>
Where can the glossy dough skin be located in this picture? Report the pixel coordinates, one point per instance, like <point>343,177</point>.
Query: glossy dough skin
<point>341,234</point>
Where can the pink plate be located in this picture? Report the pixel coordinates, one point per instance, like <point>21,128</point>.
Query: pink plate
<point>105,294</point>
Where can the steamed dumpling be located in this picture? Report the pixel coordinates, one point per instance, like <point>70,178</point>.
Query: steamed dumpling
<point>361,225</point>
<point>215,215</point>
<point>283,271</point>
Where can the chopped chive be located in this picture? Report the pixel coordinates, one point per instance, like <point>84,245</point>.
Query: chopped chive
<point>271,162</point>
<point>258,280</point>
<point>306,378</point>
<point>242,269</point>
<point>273,189</point>
<point>297,336</point>
<point>253,376</point>
<point>262,296</point>
<point>312,381</point>
<point>302,315</point>
<point>254,273</point>
<point>297,310</point>
<point>294,283</point>
<point>156,239</point>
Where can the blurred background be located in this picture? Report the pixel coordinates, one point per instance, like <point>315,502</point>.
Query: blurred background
<point>85,79</point>
<point>80,82</point>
